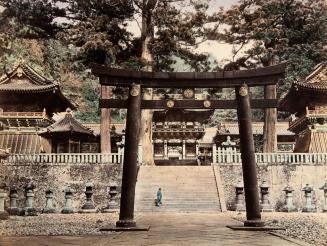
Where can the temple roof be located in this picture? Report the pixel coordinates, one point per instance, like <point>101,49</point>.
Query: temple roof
<point>23,79</point>
<point>309,91</point>
<point>67,125</point>
<point>182,115</point>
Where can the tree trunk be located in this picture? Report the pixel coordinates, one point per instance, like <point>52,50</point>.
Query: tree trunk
<point>105,122</point>
<point>147,57</point>
<point>269,127</point>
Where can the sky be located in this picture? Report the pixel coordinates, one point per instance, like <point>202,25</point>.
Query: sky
<point>219,51</point>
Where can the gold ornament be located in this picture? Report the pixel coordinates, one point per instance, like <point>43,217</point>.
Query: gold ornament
<point>188,93</point>
<point>206,103</point>
<point>19,72</point>
<point>170,103</point>
<point>135,90</point>
<point>243,91</point>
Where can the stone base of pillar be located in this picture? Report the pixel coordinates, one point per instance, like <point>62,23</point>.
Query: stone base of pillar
<point>254,223</point>
<point>13,211</point>
<point>109,210</point>
<point>266,208</point>
<point>28,212</point>
<point>67,211</point>
<point>4,215</point>
<point>288,209</point>
<point>126,223</point>
<point>48,211</point>
<point>87,211</point>
<point>310,209</point>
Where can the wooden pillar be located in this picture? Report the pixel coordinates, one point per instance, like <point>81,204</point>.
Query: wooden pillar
<point>253,215</point>
<point>133,124</point>
<point>105,122</point>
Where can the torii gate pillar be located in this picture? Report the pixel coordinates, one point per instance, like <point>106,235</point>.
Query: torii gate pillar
<point>133,125</point>
<point>253,215</point>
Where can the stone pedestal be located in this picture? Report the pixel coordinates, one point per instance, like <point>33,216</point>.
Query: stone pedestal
<point>308,207</point>
<point>13,209</point>
<point>324,188</point>
<point>3,195</point>
<point>265,204</point>
<point>113,205</point>
<point>29,209</point>
<point>49,203</point>
<point>68,209</point>
<point>289,207</point>
<point>239,200</point>
<point>88,206</point>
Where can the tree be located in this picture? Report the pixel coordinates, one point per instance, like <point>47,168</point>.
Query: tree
<point>168,31</point>
<point>269,32</point>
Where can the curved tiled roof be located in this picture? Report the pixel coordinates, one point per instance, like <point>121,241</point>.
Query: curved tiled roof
<point>67,124</point>
<point>24,78</point>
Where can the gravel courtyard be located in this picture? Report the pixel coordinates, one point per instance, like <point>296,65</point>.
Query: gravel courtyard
<point>305,227</point>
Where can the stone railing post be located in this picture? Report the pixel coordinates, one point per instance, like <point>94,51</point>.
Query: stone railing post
<point>214,153</point>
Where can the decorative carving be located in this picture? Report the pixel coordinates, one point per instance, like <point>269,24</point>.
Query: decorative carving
<point>19,72</point>
<point>188,93</point>
<point>135,90</point>
<point>243,91</point>
<point>207,104</point>
<point>170,103</point>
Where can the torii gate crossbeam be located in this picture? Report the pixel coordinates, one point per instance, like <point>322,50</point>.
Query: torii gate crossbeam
<point>240,80</point>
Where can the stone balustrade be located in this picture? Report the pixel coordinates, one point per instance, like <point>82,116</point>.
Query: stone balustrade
<point>74,158</point>
<point>231,156</point>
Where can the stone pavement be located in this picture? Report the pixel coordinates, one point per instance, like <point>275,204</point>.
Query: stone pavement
<point>166,229</point>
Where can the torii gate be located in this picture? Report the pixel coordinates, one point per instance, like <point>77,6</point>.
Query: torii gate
<point>136,80</point>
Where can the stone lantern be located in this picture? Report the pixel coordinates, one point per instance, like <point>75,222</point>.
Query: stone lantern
<point>113,205</point>
<point>13,210</point>
<point>49,203</point>
<point>289,207</point>
<point>324,188</point>
<point>3,195</point>
<point>68,209</point>
<point>29,209</point>
<point>239,190</point>
<point>88,206</point>
<point>309,207</point>
<point>264,191</point>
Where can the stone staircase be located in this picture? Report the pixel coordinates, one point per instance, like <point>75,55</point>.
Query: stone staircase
<point>184,188</point>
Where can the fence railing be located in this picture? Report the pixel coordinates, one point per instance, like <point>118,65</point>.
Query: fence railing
<point>78,158</point>
<point>223,157</point>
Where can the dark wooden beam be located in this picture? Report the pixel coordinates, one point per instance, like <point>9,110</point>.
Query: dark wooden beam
<point>188,104</point>
<point>221,79</point>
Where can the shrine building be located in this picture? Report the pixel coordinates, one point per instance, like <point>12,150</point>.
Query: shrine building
<point>307,102</point>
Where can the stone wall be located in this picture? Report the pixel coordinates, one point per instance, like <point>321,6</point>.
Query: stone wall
<point>56,176</point>
<point>278,177</point>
